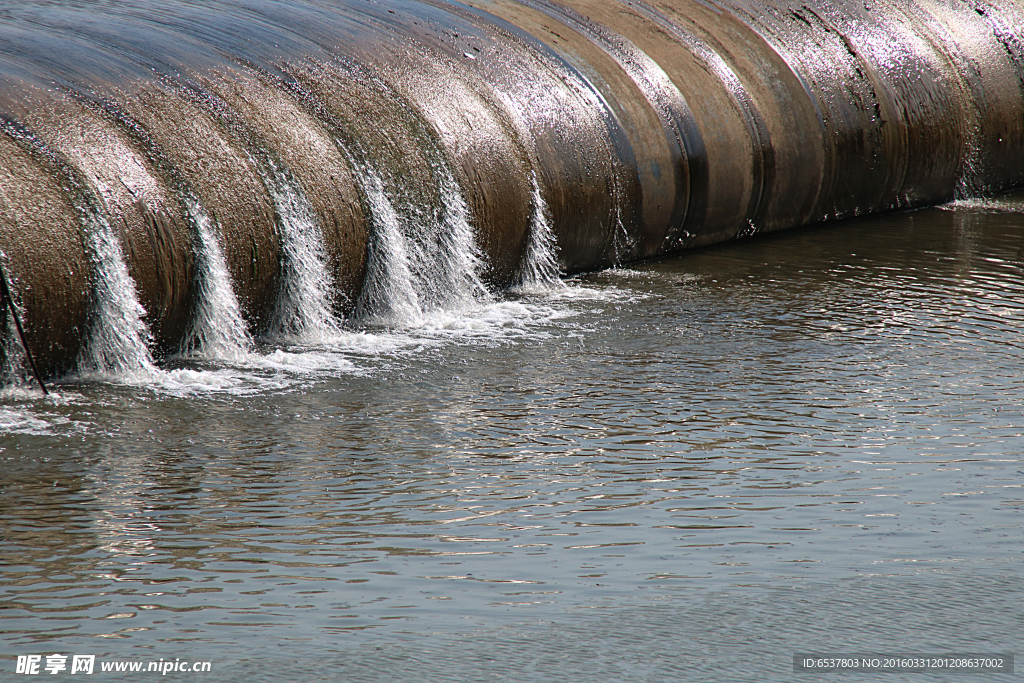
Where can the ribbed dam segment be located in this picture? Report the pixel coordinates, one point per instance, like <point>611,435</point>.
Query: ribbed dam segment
<point>186,178</point>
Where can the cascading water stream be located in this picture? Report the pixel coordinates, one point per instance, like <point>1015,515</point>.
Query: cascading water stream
<point>14,366</point>
<point>304,311</point>
<point>388,296</point>
<point>117,345</point>
<point>218,332</point>
<point>539,270</point>
<point>458,261</point>
<point>420,261</point>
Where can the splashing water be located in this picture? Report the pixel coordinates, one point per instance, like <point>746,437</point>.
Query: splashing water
<point>458,262</point>
<point>218,331</point>
<point>421,260</point>
<point>304,311</point>
<point>539,271</point>
<point>14,366</point>
<point>117,345</point>
<point>969,184</point>
<point>388,296</point>
<point>443,259</point>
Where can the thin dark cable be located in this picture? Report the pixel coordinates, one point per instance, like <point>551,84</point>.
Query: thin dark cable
<point>5,291</point>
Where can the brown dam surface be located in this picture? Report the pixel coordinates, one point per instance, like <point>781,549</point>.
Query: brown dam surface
<point>177,177</point>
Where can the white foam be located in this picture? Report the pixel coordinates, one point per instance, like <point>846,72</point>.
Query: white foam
<point>576,292</point>
<point>1012,203</point>
<point>304,312</point>
<point>539,271</point>
<point>218,332</point>
<point>15,420</point>
<point>118,339</point>
<point>231,381</point>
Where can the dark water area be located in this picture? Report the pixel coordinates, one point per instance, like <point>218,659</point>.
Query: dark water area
<point>688,470</point>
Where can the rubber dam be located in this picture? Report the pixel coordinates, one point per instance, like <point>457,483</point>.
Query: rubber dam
<point>184,179</point>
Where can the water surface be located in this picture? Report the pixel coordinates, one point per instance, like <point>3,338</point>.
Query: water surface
<point>685,470</point>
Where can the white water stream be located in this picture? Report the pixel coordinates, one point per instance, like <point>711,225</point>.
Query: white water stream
<point>421,262</point>
<point>118,341</point>
<point>304,311</point>
<point>454,274</point>
<point>539,270</point>
<point>218,331</point>
<point>389,296</point>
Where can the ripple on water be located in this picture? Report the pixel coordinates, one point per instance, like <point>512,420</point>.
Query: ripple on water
<point>688,470</point>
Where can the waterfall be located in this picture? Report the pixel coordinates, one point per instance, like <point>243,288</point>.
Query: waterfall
<point>218,331</point>
<point>459,261</point>
<point>14,367</point>
<point>14,364</point>
<point>118,340</point>
<point>420,261</point>
<point>539,269</point>
<point>388,295</point>
<point>304,311</point>
<point>969,185</point>
<point>168,101</point>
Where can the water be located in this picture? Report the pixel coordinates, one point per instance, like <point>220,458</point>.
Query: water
<point>539,271</point>
<point>118,341</point>
<point>684,470</point>
<point>218,332</point>
<point>305,311</point>
<point>388,294</point>
<point>420,265</point>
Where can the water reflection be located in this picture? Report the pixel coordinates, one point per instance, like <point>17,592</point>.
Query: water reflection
<point>807,439</point>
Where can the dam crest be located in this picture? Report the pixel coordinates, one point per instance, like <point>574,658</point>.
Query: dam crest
<point>187,182</point>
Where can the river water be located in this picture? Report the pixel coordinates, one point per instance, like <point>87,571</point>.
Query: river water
<point>682,470</point>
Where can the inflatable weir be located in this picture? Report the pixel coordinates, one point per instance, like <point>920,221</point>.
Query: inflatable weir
<point>179,177</point>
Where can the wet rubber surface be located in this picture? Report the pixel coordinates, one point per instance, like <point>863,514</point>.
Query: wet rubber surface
<point>178,153</point>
